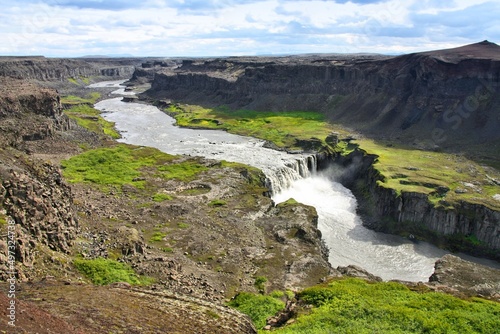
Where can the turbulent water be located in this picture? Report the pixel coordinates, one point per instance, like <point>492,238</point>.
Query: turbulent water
<point>387,256</point>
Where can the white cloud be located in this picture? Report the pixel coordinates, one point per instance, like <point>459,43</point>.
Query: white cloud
<point>236,27</point>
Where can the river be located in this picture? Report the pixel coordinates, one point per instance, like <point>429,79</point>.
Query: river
<point>387,256</point>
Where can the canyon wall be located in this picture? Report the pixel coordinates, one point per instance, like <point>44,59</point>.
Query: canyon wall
<point>466,227</point>
<point>58,69</point>
<point>443,98</point>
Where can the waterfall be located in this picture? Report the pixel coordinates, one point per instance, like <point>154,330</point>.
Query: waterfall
<point>282,177</point>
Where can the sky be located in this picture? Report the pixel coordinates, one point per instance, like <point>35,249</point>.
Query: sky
<point>197,28</point>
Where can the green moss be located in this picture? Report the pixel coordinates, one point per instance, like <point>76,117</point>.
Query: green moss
<point>182,225</point>
<point>281,128</point>
<point>257,307</point>
<point>90,119</point>
<point>157,236</point>
<point>288,202</point>
<point>217,202</point>
<point>439,175</point>
<point>114,166</point>
<point>260,283</point>
<point>356,306</point>
<point>184,171</point>
<point>161,197</point>
<point>104,271</point>
<point>89,99</point>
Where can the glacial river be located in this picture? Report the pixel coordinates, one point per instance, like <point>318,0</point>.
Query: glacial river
<point>387,256</point>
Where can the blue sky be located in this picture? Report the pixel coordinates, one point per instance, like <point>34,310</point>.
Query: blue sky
<point>68,28</point>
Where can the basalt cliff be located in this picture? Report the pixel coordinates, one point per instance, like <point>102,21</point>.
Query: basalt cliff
<point>446,99</point>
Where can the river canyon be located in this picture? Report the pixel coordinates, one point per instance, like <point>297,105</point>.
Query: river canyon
<point>349,242</point>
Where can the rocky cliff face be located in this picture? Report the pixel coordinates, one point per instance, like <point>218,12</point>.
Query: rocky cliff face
<point>29,112</point>
<point>54,69</point>
<point>468,227</point>
<point>32,193</point>
<point>444,98</point>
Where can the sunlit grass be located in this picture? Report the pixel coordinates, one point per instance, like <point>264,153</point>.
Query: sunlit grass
<point>105,271</point>
<point>123,164</point>
<point>412,170</point>
<point>281,128</point>
<point>90,119</point>
<point>91,98</point>
<point>352,305</point>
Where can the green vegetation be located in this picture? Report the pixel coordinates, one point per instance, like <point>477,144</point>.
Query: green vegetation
<point>75,100</point>
<point>352,305</point>
<point>184,171</point>
<point>182,225</point>
<point>104,271</point>
<point>113,166</point>
<point>446,178</point>
<point>167,249</point>
<point>217,202</point>
<point>257,307</point>
<point>288,202</point>
<point>124,164</point>
<point>281,128</point>
<point>356,306</point>
<point>3,218</point>
<point>157,236</point>
<point>260,283</point>
<point>159,197</point>
<point>90,119</point>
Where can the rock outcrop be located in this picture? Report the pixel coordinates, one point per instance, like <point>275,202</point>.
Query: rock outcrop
<point>466,277</point>
<point>32,193</point>
<point>40,205</point>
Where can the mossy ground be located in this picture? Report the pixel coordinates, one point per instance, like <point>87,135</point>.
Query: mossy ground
<point>357,306</point>
<point>89,99</point>
<point>123,164</point>
<point>446,178</point>
<point>90,119</point>
<point>281,128</point>
<point>102,271</point>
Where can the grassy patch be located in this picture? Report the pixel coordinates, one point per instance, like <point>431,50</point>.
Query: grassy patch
<point>288,202</point>
<point>356,306</point>
<point>104,271</point>
<point>184,171</point>
<point>446,178</point>
<point>90,119</point>
<point>157,236</point>
<point>257,307</point>
<point>182,225</point>
<point>113,166</point>
<point>281,128</point>
<point>161,197</point>
<point>75,100</point>
<point>260,283</point>
<point>217,202</point>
